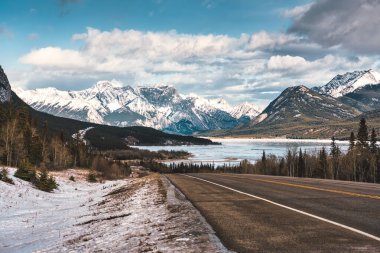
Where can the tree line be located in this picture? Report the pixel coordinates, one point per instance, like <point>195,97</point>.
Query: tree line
<point>31,146</point>
<point>28,143</point>
<point>360,163</point>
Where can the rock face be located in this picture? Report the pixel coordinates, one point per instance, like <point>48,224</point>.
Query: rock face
<point>5,87</point>
<point>160,107</point>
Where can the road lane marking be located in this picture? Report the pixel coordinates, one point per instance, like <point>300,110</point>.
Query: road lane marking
<point>292,209</point>
<point>315,188</point>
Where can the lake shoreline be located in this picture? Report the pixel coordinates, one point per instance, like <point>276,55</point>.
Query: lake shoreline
<point>234,150</point>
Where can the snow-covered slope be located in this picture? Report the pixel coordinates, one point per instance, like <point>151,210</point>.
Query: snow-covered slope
<point>245,110</point>
<point>5,88</point>
<point>160,107</point>
<point>341,85</point>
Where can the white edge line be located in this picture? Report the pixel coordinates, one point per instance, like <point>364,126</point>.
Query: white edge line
<point>292,209</point>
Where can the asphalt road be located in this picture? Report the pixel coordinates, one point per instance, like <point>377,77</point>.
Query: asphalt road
<point>253,213</point>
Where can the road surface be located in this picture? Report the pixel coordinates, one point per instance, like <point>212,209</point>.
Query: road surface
<point>253,213</point>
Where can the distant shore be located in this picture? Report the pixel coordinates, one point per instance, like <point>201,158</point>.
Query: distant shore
<point>275,139</point>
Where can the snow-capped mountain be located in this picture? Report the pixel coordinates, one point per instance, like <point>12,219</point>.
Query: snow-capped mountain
<point>341,85</point>
<point>300,104</point>
<point>5,88</point>
<point>161,107</point>
<point>245,110</point>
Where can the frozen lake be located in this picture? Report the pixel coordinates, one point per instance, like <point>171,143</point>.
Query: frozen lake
<point>232,151</point>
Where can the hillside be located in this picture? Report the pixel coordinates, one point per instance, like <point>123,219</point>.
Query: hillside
<point>368,95</point>
<point>299,104</point>
<point>104,137</point>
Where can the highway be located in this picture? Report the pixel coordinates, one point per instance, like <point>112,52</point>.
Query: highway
<point>255,213</point>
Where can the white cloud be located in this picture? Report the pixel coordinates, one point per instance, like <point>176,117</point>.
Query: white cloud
<point>53,57</point>
<point>286,62</point>
<point>206,64</point>
<point>297,11</point>
<point>267,40</point>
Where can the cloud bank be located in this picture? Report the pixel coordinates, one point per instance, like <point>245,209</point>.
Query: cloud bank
<point>326,37</point>
<point>352,24</point>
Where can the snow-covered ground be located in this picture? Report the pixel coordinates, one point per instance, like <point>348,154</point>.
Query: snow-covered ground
<point>135,215</point>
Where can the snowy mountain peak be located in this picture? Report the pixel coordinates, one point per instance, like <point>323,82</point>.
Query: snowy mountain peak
<point>5,87</point>
<point>246,109</point>
<point>159,106</point>
<point>341,85</point>
<point>220,104</point>
<point>106,85</point>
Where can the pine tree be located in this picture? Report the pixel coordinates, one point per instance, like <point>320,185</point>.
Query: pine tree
<point>264,162</point>
<point>323,162</point>
<point>335,153</point>
<point>352,142</point>
<point>363,134</point>
<point>263,157</point>
<point>301,164</point>
<point>333,146</point>
<point>373,140</point>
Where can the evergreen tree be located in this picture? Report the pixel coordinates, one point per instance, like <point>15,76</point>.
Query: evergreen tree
<point>333,147</point>
<point>264,161</point>
<point>363,134</point>
<point>335,153</point>
<point>352,142</point>
<point>301,164</point>
<point>323,162</point>
<point>263,157</point>
<point>373,140</point>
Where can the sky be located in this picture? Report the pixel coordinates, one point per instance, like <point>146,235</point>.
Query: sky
<point>240,50</point>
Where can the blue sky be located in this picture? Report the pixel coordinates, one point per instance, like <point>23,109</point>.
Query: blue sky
<point>242,50</point>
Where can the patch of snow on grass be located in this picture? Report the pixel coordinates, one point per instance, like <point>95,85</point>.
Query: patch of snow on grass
<point>133,215</point>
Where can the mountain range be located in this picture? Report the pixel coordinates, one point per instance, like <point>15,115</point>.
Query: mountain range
<point>297,112</point>
<point>320,112</point>
<point>100,137</point>
<point>160,107</point>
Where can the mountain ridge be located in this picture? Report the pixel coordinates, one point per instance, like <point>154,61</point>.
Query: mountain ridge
<point>5,87</point>
<point>101,137</point>
<point>160,106</point>
<point>341,85</point>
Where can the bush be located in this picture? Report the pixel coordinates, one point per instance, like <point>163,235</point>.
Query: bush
<point>26,174</point>
<point>91,177</point>
<point>4,177</point>
<point>72,178</point>
<point>43,181</point>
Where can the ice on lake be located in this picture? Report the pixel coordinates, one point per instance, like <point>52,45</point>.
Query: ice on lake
<point>232,151</point>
